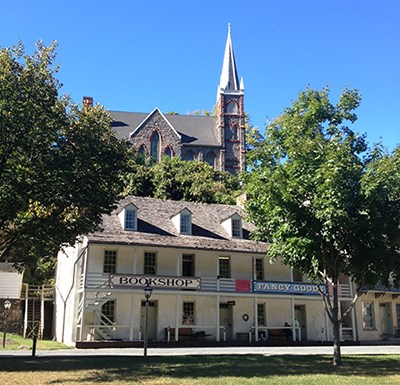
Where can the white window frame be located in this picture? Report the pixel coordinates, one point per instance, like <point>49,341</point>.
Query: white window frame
<point>110,268</point>
<point>188,313</point>
<point>130,219</point>
<point>185,223</point>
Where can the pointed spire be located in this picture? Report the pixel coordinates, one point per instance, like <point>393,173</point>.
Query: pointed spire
<point>229,78</point>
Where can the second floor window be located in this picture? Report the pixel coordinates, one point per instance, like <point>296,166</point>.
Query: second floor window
<point>110,261</point>
<point>224,265</point>
<point>188,265</point>
<point>150,266</point>
<point>258,269</point>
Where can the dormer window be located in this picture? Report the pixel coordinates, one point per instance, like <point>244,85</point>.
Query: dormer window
<point>236,228</point>
<point>130,220</point>
<point>183,222</point>
<point>128,217</point>
<point>233,226</point>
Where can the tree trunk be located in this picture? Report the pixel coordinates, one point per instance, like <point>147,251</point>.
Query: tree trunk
<point>337,357</point>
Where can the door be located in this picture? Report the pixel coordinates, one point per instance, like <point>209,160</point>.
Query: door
<point>226,320</point>
<point>301,317</point>
<point>385,318</point>
<point>151,321</point>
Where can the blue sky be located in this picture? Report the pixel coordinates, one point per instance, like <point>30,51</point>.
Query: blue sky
<point>133,55</point>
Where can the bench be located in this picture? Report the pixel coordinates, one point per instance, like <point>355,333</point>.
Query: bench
<point>184,334</point>
<point>280,333</point>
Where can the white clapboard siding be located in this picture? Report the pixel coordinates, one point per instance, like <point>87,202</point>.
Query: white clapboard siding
<point>10,284</point>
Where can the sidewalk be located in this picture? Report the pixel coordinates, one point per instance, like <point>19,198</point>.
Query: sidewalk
<point>267,351</point>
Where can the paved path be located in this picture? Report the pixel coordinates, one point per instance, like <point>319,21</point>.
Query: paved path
<point>267,351</point>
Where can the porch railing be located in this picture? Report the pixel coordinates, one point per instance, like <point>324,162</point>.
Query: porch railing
<point>208,284</point>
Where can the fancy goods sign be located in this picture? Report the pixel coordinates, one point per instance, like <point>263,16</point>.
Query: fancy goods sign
<point>287,288</point>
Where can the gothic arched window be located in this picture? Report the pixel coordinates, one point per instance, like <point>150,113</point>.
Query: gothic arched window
<point>155,147</point>
<point>142,151</point>
<point>168,152</point>
<point>210,159</point>
<point>232,108</point>
<point>189,155</point>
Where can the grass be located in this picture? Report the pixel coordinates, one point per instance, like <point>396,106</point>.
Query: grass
<point>16,342</point>
<point>204,370</point>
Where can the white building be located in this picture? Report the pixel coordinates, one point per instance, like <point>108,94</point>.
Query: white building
<point>209,280</point>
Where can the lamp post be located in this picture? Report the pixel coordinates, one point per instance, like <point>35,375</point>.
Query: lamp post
<point>147,294</point>
<point>7,305</point>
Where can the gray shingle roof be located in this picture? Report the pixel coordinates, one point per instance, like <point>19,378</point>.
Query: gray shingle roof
<point>155,227</point>
<point>195,130</point>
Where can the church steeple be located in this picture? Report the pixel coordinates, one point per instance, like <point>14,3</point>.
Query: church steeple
<point>230,113</point>
<point>229,78</point>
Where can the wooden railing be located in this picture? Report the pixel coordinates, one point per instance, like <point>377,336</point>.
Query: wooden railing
<point>208,284</point>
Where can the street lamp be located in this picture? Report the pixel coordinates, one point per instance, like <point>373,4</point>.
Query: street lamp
<point>7,305</point>
<point>147,294</point>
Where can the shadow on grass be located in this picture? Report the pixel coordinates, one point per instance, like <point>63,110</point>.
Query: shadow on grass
<point>113,368</point>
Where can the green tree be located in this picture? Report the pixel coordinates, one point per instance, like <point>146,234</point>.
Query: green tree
<point>59,165</point>
<point>327,204</point>
<point>176,179</point>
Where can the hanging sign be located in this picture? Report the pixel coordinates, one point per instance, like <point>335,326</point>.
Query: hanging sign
<point>298,288</point>
<point>158,282</point>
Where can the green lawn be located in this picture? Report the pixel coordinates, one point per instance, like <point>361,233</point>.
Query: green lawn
<point>16,342</point>
<point>204,370</point>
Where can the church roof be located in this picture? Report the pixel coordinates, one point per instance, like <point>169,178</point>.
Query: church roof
<point>155,227</point>
<point>194,130</point>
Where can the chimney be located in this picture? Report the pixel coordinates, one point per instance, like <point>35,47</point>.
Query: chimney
<point>241,200</point>
<point>87,102</point>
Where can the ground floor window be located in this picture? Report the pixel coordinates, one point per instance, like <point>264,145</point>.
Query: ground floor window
<point>368,315</point>
<point>261,314</point>
<point>188,313</point>
<point>108,313</point>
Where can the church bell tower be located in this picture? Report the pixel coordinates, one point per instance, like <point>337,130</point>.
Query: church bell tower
<point>230,113</point>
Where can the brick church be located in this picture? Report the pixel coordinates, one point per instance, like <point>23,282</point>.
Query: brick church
<point>218,140</point>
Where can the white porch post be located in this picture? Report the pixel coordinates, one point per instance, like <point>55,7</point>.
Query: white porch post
<point>218,320</point>
<point>293,315</point>
<point>132,315</point>
<point>178,305</point>
<point>255,319</point>
<point>134,261</point>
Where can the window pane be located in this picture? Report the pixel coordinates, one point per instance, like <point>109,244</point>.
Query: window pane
<point>188,313</point>
<point>259,266</point>
<point>261,314</point>
<point>188,265</point>
<point>130,219</point>
<point>110,261</point>
<point>155,147</point>
<point>185,223</point>
<point>149,263</point>
<point>368,315</point>
<point>236,228</point>
<point>224,267</point>
<point>108,313</point>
